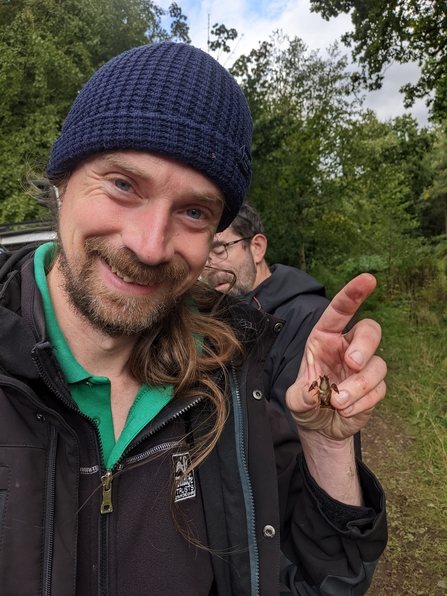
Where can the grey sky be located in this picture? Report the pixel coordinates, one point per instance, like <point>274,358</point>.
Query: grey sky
<point>255,20</point>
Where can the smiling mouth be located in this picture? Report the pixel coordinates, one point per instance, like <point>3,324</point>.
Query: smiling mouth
<point>129,280</point>
<point>126,266</point>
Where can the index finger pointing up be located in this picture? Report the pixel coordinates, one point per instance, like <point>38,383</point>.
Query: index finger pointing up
<point>346,303</point>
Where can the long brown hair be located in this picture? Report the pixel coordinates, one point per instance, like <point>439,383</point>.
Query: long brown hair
<point>183,349</point>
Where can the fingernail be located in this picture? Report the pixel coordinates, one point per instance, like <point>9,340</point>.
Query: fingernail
<point>357,357</point>
<point>342,397</point>
<point>348,410</point>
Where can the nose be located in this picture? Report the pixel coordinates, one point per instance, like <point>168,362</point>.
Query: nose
<point>150,235</point>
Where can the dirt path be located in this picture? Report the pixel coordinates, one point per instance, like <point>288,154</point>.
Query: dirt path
<point>414,563</point>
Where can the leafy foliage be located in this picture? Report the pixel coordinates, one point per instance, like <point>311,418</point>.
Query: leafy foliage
<point>223,35</point>
<point>387,31</point>
<point>375,207</point>
<point>338,190</point>
<point>300,103</point>
<point>434,199</point>
<point>48,50</point>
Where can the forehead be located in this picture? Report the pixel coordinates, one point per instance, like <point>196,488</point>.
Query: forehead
<point>226,236</point>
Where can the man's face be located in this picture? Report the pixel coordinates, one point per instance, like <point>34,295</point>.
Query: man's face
<point>135,231</point>
<point>239,261</point>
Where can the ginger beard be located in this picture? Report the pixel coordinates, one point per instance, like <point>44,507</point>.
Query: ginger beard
<point>108,310</point>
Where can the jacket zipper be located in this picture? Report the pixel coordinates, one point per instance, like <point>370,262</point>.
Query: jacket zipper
<point>107,504</point>
<point>103,575</point>
<point>106,481</point>
<point>153,450</point>
<point>49,514</point>
<point>246,484</point>
<point>107,477</point>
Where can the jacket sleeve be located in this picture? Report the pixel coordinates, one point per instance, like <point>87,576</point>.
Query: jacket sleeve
<point>333,548</point>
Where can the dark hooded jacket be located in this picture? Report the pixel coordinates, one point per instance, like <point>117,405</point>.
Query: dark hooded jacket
<point>299,300</point>
<point>70,527</point>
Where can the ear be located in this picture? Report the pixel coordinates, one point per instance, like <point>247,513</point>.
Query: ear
<point>258,247</point>
<point>57,196</point>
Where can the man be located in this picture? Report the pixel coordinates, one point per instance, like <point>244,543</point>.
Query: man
<point>237,265</point>
<point>137,455</point>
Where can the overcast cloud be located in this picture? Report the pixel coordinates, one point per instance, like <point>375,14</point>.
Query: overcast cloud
<point>255,20</point>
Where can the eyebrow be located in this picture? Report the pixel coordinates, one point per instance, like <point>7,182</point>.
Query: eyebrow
<point>114,160</point>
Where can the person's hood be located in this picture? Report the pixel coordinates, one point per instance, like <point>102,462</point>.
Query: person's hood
<point>284,284</point>
<point>21,330</point>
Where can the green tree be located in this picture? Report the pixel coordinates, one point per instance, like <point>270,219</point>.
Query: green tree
<point>48,50</point>
<point>434,197</point>
<point>373,227</point>
<point>414,144</point>
<point>387,31</point>
<point>223,35</point>
<point>300,102</point>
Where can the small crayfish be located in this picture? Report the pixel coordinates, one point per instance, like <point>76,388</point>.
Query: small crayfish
<point>324,392</point>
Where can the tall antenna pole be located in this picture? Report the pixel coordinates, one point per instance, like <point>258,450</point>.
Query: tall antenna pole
<point>208,33</point>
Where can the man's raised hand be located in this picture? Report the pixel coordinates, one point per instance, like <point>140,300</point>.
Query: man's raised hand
<point>348,360</point>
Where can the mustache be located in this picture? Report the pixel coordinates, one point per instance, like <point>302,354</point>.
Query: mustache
<point>129,265</point>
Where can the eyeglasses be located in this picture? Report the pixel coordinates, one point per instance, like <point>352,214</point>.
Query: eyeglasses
<point>219,252</point>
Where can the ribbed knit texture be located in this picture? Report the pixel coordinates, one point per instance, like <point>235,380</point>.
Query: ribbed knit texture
<point>170,99</point>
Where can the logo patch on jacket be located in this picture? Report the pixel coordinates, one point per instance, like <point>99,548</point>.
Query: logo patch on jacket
<point>186,485</point>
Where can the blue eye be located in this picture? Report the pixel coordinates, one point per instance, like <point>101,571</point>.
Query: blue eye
<point>122,184</point>
<point>194,213</point>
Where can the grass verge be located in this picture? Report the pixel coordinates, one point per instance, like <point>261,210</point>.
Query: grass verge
<point>406,447</point>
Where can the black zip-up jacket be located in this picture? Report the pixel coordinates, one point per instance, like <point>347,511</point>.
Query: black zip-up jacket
<point>70,527</point>
<point>298,299</point>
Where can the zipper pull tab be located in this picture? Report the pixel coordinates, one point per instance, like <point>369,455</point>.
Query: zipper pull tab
<point>106,481</point>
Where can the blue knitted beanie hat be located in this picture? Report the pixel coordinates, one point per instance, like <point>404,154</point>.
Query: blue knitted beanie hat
<point>170,99</point>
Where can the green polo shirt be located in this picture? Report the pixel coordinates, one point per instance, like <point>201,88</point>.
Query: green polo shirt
<point>91,393</point>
